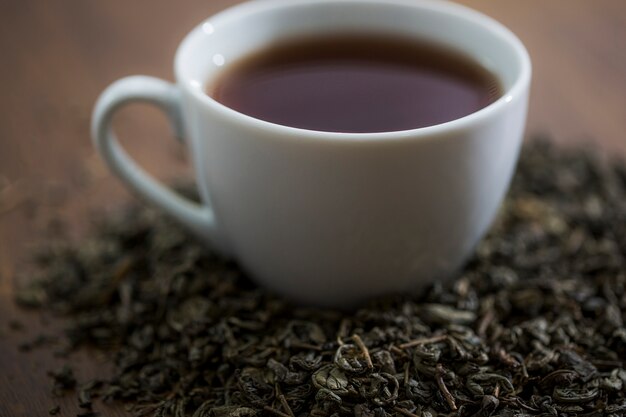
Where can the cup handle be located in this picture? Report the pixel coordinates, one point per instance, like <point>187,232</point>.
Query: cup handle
<point>199,219</point>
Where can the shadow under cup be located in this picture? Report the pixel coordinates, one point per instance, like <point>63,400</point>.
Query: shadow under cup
<point>333,218</point>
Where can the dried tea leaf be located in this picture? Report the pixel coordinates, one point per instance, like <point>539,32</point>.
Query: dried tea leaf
<point>533,325</point>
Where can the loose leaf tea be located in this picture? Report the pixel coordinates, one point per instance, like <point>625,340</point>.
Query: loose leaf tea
<point>534,325</point>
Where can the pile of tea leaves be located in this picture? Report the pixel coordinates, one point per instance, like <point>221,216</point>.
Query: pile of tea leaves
<point>534,324</point>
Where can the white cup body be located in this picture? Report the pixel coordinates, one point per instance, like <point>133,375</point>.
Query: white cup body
<point>333,218</point>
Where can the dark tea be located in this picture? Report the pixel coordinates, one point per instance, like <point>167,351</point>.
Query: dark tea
<point>356,84</point>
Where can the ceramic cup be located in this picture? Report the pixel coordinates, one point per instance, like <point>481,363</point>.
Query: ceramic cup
<point>325,218</point>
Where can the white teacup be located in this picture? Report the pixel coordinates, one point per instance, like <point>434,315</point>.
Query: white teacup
<point>329,218</point>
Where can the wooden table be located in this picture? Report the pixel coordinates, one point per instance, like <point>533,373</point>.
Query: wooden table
<point>56,56</point>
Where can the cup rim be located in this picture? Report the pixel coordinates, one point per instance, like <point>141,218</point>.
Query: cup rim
<point>517,89</point>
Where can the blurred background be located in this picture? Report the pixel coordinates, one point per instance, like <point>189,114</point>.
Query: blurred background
<point>57,56</point>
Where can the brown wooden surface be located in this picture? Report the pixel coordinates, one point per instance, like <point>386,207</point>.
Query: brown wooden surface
<point>56,56</point>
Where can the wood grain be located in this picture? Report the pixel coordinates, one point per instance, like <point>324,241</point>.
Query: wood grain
<point>579,66</point>
<point>57,56</point>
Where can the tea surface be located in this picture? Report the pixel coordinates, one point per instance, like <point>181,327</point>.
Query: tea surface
<point>356,84</point>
